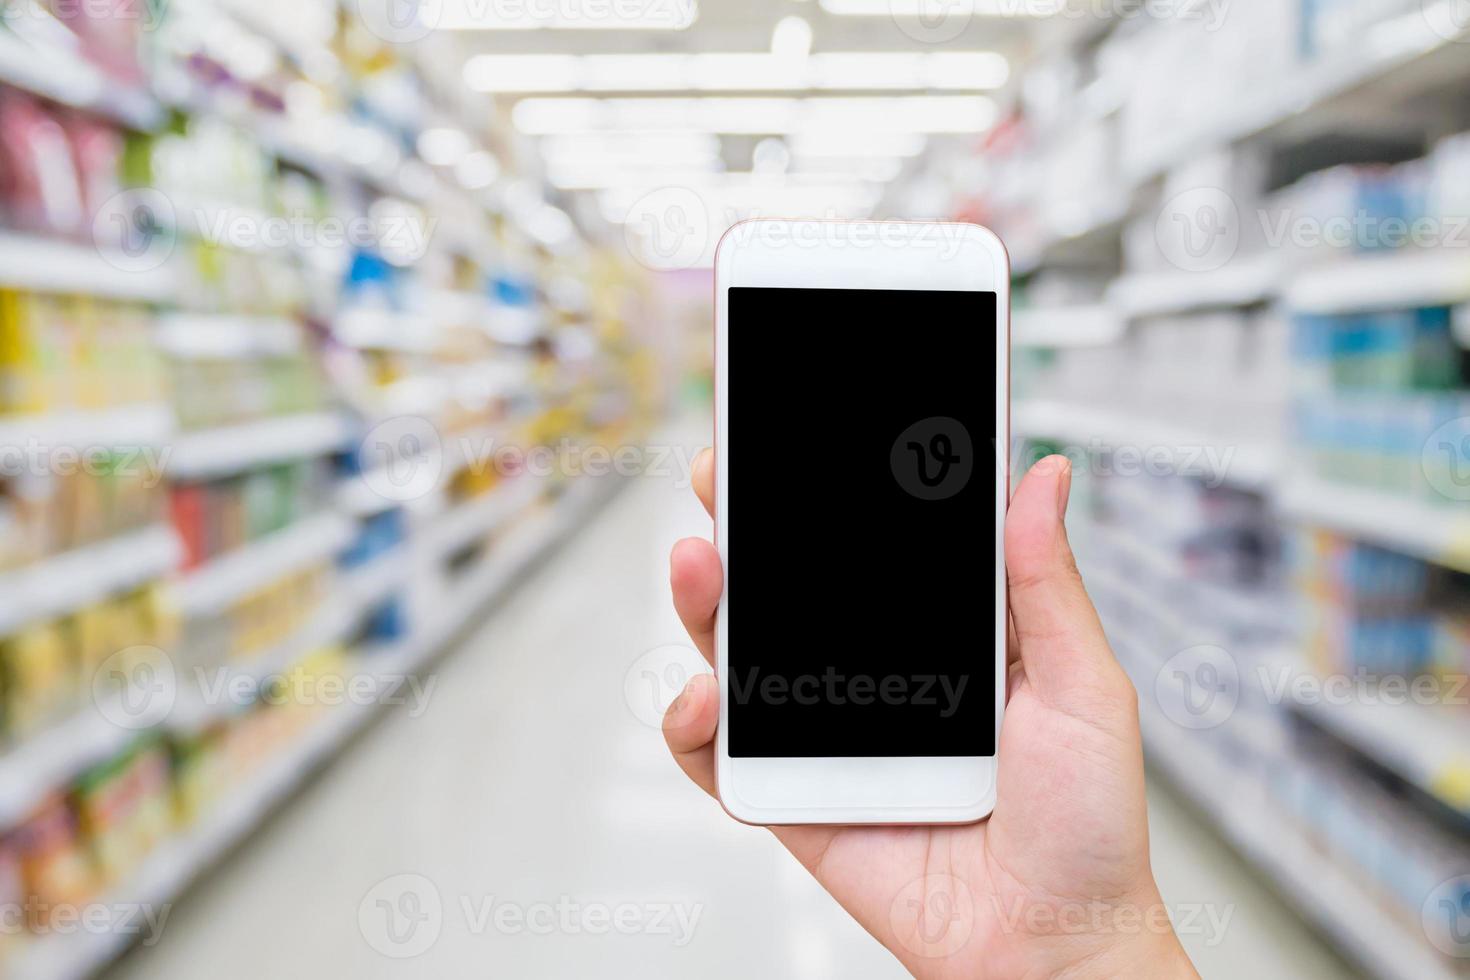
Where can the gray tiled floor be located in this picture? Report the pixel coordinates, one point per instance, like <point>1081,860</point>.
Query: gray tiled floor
<point>530,780</point>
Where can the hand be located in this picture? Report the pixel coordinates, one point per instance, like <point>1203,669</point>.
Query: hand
<point>1057,882</point>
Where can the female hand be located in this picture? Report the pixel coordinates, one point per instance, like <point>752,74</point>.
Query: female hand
<point>1057,882</point>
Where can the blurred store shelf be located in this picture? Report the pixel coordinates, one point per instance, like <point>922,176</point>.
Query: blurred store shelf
<point>174,866</point>
<point>1395,281</point>
<point>471,521</point>
<point>1426,744</point>
<point>1435,533</point>
<point>235,574</point>
<point>1250,464</point>
<point>1317,887</point>
<point>1404,54</point>
<point>1240,283</point>
<point>226,336</point>
<point>125,426</point>
<point>211,452</point>
<point>51,264</point>
<point>1065,326</point>
<point>73,579</point>
<point>65,77</point>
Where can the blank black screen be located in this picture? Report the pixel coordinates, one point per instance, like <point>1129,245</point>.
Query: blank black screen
<point>861,527</point>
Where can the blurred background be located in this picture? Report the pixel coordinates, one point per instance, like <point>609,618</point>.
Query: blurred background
<point>353,355</point>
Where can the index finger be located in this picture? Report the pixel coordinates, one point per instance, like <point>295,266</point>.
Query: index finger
<point>702,475</point>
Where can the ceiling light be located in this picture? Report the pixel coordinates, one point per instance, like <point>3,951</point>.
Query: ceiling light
<point>966,69</point>
<point>736,71</point>
<point>477,170</point>
<point>757,116</point>
<point>634,72</point>
<point>476,15</point>
<point>836,143</point>
<point>442,146</point>
<point>632,144</point>
<point>770,156</point>
<point>792,38</point>
<point>523,72</point>
<point>933,9</point>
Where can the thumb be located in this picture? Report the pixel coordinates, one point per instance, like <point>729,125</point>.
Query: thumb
<point>1063,649</point>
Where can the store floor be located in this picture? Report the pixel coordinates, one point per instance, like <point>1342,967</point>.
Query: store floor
<point>530,780</point>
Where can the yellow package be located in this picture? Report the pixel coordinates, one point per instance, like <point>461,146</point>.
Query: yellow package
<point>39,678</point>
<point>21,389</point>
<point>92,630</point>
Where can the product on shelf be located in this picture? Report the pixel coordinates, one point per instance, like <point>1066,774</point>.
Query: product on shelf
<point>67,353</point>
<point>1366,608</point>
<point>46,515</point>
<point>49,670</point>
<point>1371,389</point>
<point>57,870</point>
<point>125,808</point>
<point>257,622</point>
<point>214,517</point>
<point>213,392</point>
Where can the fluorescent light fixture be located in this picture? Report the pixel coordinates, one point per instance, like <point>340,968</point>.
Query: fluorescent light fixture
<point>836,143</point>
<point>476,170</point>
<point>443,146</point>
<point>634,72</point>
<point>969,70</point>
<point>935,9</point>
<point>749,72</point>
<point>862,69</point>
<point>586,178</point>
<point>550,225</point>
<point>523,72</point>
<point>627,145</point>
<point>736,71</point>
<point>879,170</point>
<point>579,15</point>
<point>792,38</point>
<point>752,115</point>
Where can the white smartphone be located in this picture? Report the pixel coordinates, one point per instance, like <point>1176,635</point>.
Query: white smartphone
<point>861,447</point>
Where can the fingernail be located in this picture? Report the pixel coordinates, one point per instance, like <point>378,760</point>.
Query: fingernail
<point>1064,488</point>
<point>682,701</point>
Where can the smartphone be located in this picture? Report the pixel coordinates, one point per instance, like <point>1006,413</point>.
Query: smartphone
<point>861,447</point>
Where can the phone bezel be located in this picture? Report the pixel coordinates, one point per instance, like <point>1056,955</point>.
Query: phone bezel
<point>888,255</point>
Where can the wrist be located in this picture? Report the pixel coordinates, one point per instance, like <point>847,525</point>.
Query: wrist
<point>1146,956</point>
<point>1101,939</point>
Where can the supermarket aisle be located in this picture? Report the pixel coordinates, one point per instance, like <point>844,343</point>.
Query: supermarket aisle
<point>529,780</point>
